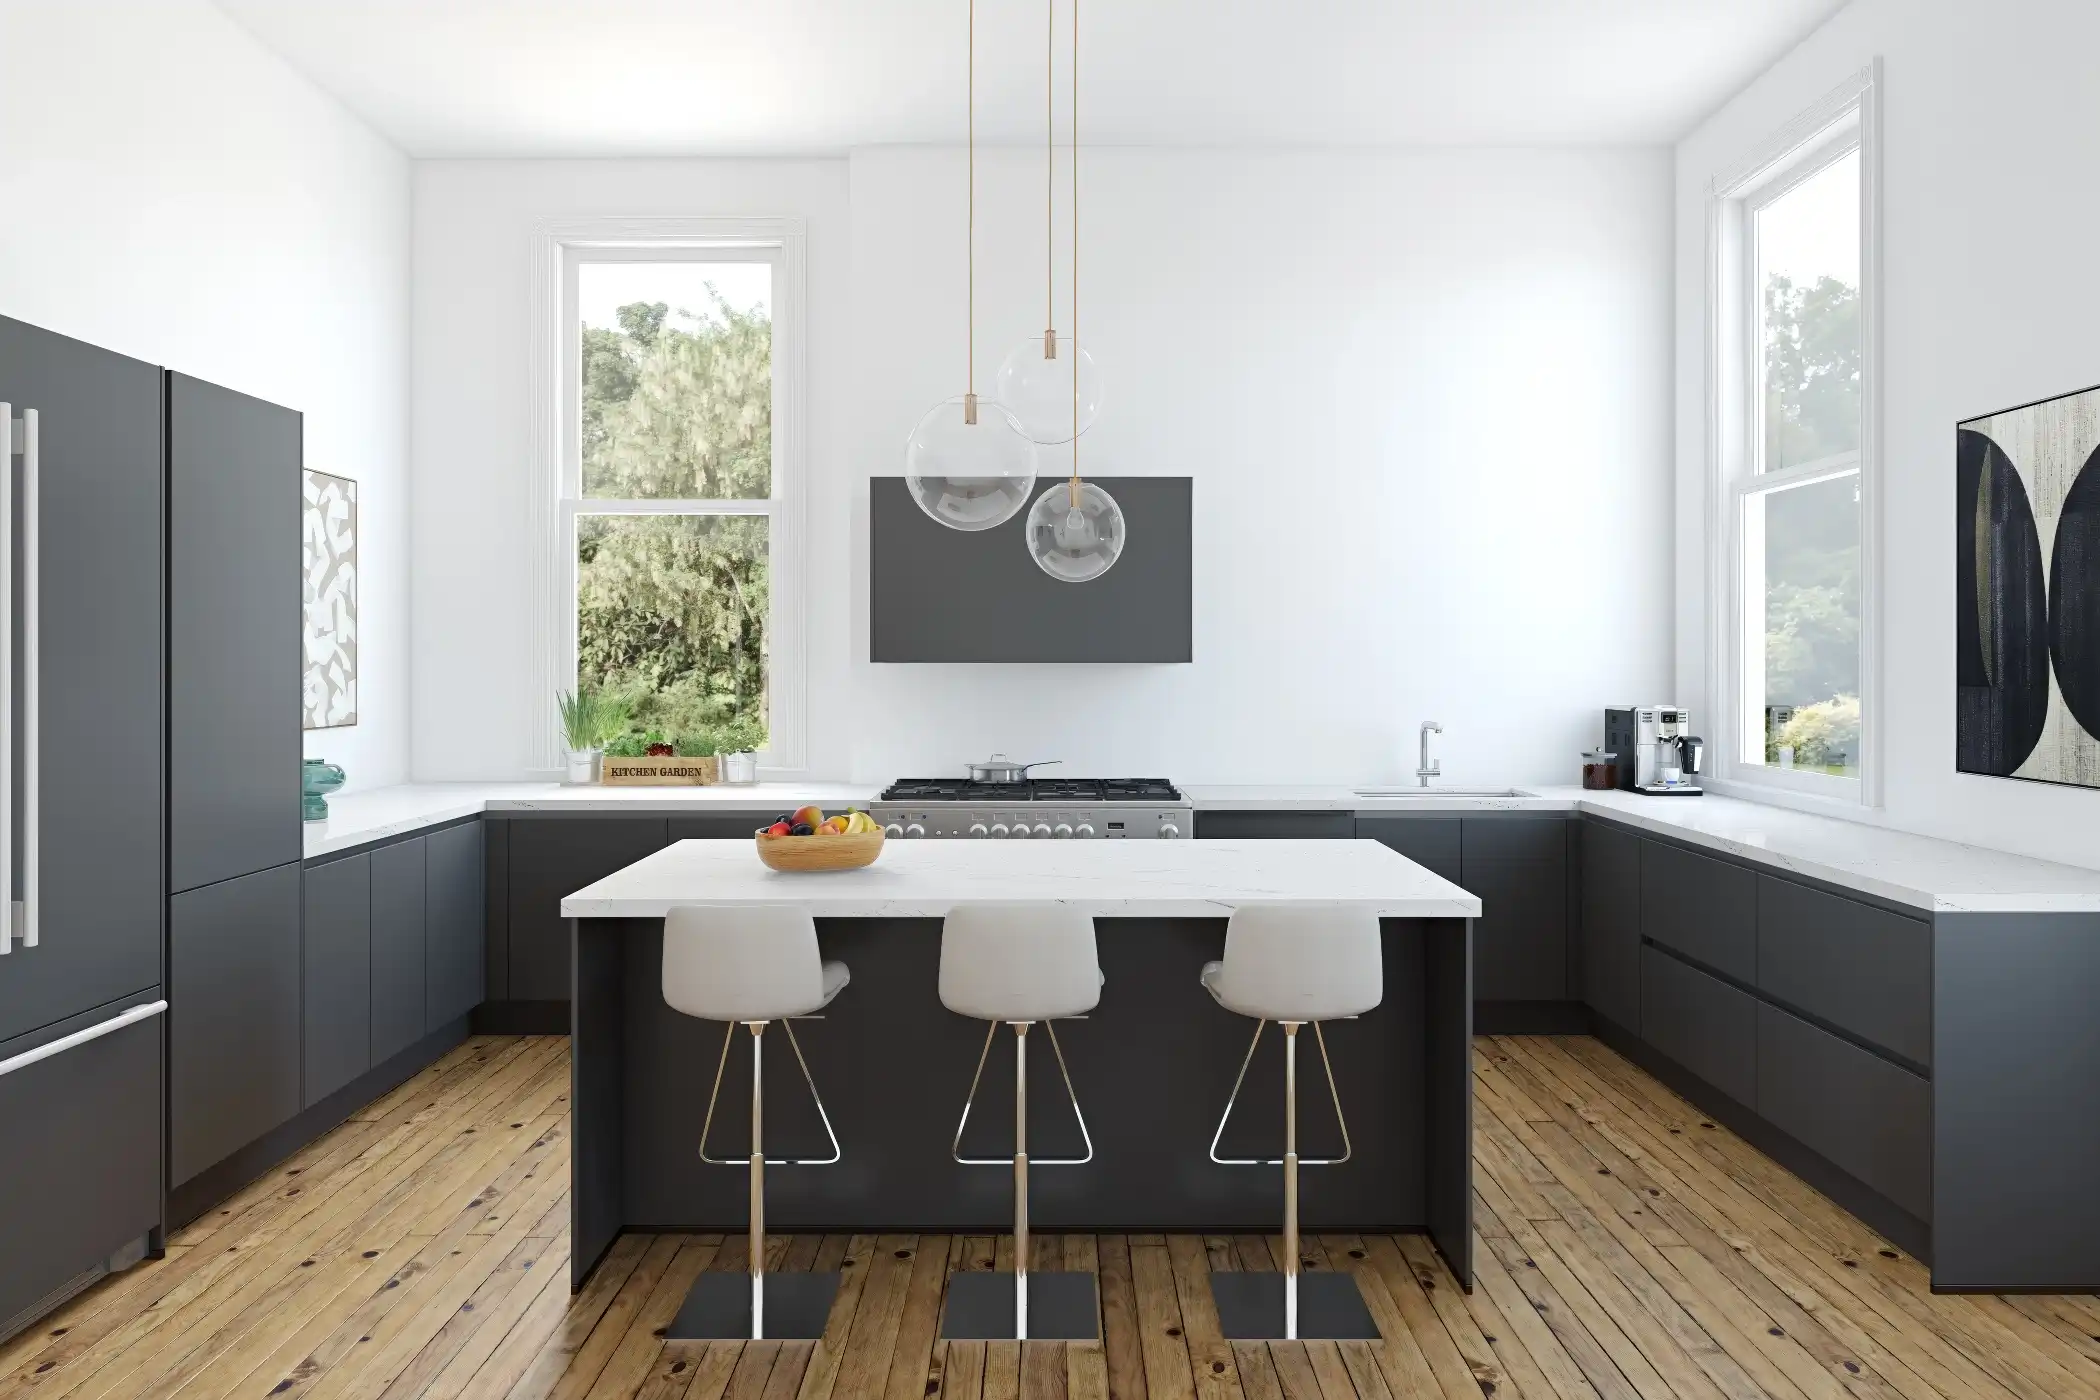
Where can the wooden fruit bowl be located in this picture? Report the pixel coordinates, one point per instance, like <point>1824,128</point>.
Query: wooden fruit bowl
<point>820,852</point>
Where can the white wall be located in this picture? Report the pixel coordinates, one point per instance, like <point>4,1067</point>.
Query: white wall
<point>176,193</point>
<point>479,705</point>
<point>1425,400</point>
<point>1991,129</point>
<point>1425,397</point>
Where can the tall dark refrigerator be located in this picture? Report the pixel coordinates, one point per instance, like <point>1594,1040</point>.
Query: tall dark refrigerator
<point>82,798</point>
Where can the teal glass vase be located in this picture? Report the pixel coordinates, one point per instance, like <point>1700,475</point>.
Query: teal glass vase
<point>317,779</point>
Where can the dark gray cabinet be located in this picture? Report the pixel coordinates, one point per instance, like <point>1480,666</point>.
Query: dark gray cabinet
<point>102,897</point>
<point>233,1015</point>
<point>1862,969</point>
<point>338,975</point>
<point>1275,826</point>
<point>549,859</point>
<point>233,628</point>
<point>1706,909</point>
<point>84,1161</point>
<point>1518,866</point>
<point>400,950</point>
<point>1870,1117</point>
<point>1611,923</point>
<point>454,923</point>
<point>1433,843</point>
<point>719,826</point>
<point>1701,1022</point>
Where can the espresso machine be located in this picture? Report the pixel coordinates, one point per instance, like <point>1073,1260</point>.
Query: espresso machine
<point>1658,753</point>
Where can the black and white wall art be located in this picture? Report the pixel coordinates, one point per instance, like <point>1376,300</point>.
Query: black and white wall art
<point>329,597</point>
<point>2027,592</point>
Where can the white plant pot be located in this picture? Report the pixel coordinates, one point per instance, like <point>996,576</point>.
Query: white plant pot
<point>583,767</point>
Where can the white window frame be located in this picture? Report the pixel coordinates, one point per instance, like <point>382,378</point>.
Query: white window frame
<point>559,250</point>
<point>1844,120</point>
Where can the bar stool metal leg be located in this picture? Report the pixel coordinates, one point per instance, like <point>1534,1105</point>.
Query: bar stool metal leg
<point>1290,1180</point>
<point>1021,1180</point>
<point>758,1184</point>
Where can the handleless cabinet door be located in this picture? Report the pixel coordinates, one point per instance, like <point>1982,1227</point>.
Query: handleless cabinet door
<point>1434,843</point>
<point>550,859</point>
<point>233,1016</point>
<point>1611,923</point>
<point>102,898</point>
<point>233,627</point>
<point>1702,1023</point>
<point>1706,909</point>
<point>1518,866</point>
<point>1275,826</point>
<point>338,939</point>
<point>400,948</point>
<point>454,924</point>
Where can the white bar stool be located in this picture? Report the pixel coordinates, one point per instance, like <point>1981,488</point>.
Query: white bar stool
<point>1020,964</point>
<point>752,964</point>
<point>1297,965</point>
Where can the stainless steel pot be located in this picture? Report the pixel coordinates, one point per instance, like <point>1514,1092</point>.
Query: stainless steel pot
<point>1001,769</point>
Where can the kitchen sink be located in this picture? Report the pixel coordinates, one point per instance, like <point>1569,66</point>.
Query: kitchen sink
<point>1437,792</point>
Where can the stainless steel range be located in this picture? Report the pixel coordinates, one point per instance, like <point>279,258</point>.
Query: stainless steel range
<point>1041,809</point>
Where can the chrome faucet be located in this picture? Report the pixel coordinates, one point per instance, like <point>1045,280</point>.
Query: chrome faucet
<point>1427,770</point>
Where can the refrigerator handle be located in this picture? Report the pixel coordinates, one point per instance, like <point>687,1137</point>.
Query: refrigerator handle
<point>32,818</point>
<point>16,431</point>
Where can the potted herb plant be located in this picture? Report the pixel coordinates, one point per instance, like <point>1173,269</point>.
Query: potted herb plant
<point>588,721</point>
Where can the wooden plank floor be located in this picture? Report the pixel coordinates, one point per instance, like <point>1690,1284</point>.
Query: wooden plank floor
<point>1629,1250</point>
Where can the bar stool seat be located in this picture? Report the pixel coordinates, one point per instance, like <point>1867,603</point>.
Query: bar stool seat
<point>1020,964</point>
<point>752,964</point>
<point>1296,965</point>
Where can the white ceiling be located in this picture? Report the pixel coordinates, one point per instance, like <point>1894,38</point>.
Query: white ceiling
<point>664,77</point>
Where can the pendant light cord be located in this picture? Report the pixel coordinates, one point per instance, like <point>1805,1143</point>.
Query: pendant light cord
<point>1075,254</point>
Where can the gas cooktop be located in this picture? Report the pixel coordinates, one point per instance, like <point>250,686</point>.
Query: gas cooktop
<point>1033,790</point>
<point>1143,809</point>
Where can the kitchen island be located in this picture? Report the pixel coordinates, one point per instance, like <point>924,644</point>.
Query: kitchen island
<point>1152,1066</point>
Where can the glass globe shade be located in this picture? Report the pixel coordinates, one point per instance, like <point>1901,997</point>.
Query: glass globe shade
<point>969,476</point>
<point>1075,543</point>
<point>1037,389</point>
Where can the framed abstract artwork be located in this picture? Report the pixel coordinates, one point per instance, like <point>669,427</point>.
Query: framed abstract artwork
<point>2027,592</point>
<point>328,591</point>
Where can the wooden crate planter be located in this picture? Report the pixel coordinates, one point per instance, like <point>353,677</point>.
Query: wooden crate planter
<point>656,772</point>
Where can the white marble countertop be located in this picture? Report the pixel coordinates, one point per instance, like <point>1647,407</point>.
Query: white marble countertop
<point>360,818</point>
<point>1920,871</point>
<point>1138,879</point>
<point>1924,872</point>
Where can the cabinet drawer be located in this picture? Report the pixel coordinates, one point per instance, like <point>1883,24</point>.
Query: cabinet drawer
<point>1705,909</point>
<point>85,1176</point>
<point>1860,968</point>
<point>1701,1022</point>
<point>1434,843</point>
<point>1285,826</point>
<point>1515,838</point>
<point>719,826</point>
<point>1868,1116</point>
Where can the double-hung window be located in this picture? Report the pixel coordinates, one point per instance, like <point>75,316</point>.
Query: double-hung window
<point>676,549</point>
<point>1792,314</point>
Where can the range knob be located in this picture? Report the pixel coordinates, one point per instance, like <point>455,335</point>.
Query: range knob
<point>1041,829</point>
<point>998,829</point>
<point>893,830</point>
<point>914,831</point>
<point>1063,832</point>
<point>1020,831</point>
<point>1086,829</point>
<point>979,829</point>
<point>1168,831</point>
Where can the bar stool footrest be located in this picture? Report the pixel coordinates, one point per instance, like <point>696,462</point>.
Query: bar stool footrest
<point>719,1307</point>
<point>1061,1308</point>
<point>1330,1307</point>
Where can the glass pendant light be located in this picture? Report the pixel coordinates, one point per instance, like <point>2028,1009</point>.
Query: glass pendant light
<point>1036,379</point>
<point>967,463</point>
<point>1075,529</point>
